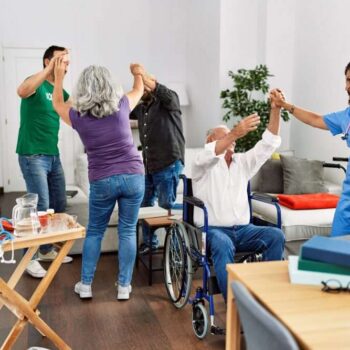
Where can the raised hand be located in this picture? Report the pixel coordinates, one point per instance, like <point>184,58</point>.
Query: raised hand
<point>136,68</point>
<point>246,125</point>
<point>150,82</point>
<point>276,98</point>
<point>60,67</point>
<point>51,66</point>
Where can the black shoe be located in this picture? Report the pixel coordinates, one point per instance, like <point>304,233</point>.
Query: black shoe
<point>144,249</point>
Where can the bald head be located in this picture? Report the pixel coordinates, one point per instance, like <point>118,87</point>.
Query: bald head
<point>217,133</point>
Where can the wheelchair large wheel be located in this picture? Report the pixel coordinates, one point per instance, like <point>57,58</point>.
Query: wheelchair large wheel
<point>200,323</point>
<point>177,265</point>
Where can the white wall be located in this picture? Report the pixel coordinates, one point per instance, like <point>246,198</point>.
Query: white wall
<point>203,48</point>
<point>321,54</point>
<point>112,33</point>
<point>279,53</point>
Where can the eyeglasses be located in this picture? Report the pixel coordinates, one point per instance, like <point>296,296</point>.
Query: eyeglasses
<point>334,286</point>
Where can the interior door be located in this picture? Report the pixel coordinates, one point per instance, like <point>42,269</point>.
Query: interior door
<point>20,63</point>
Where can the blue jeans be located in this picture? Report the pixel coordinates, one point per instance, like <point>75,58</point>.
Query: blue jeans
<point>161,185</point>
<point>128,190</point>
<point>44,175</point>
<point>223,242</point>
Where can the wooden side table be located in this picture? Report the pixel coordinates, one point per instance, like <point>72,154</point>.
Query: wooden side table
<point>152,224</point>
<point>26,310</point>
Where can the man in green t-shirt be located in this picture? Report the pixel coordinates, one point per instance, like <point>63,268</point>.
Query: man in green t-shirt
<point>37,146</point>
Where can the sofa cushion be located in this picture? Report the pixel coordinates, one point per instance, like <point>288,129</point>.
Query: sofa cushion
<point>271,177</point>
<point>296,224</point>
<point>302,175</point>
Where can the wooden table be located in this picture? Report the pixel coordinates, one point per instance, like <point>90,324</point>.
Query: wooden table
<point>24,310</point>
<point>317,320</point>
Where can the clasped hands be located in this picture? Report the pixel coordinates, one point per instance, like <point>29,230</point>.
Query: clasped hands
<point>149,80</point>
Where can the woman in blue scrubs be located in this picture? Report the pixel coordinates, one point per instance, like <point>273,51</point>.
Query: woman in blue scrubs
<point>337,123</point>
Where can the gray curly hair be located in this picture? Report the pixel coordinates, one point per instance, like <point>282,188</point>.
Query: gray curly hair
<point>95,93</point>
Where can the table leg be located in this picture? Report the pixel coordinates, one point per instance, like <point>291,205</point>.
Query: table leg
<point>37,296</point>
<point>17,274</point>
<point>51,272</point>
<point>233,327</point>
<point>13,298</point>
<point>13,335</point>
<point>150,271</point>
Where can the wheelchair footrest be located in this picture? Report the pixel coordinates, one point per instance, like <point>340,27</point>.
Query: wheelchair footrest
<point>215,330</point>
<point>213,286</point>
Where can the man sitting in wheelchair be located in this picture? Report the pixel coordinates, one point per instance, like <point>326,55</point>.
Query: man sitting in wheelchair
<point>220,179</point>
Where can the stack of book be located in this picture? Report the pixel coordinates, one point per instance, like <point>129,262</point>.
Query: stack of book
<point>321,259</point>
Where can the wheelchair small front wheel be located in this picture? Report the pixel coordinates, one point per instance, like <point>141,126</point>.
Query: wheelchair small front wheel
<point>200,323</point>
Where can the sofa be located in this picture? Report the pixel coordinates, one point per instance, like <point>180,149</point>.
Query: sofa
<point>292,175</point>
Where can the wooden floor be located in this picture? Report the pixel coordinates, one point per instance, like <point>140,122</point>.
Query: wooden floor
<point>147,321</point>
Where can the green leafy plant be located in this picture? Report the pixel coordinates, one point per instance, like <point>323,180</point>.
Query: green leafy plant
<point>248,96</point>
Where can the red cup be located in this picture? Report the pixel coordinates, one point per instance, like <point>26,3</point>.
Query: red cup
<point>43,218</point>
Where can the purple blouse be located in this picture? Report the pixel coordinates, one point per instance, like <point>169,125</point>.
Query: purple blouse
<point>108,142</point>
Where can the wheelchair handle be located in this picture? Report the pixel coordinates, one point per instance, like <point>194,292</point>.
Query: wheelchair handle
<point>194,201</point>
<point>340,159</point>
<point>336,166</point>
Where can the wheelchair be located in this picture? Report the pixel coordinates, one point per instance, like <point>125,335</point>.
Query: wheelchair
<point>185,250</point>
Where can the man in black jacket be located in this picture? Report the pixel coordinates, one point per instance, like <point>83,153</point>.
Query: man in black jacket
<point>163,147</point>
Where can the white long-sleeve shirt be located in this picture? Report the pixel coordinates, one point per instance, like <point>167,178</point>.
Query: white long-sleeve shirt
<point>223,189</point>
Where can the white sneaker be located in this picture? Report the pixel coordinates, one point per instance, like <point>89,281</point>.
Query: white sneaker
<point>51,255</point>
<point>124,292</point>
<point>84,290</point>
<point>37,348</point>
<point>35,269</point>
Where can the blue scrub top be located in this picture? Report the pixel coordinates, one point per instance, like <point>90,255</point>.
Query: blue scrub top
<point>338,123</point>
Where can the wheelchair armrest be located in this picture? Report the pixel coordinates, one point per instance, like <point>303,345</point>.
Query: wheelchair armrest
<point>333,165</point>
<point>194,201</point>
<point>264,197</point>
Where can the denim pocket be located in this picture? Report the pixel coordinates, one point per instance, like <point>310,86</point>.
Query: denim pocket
<point>100,189</point>
<point>134,183</point>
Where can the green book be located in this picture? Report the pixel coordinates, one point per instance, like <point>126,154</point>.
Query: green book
<point>317,266</point>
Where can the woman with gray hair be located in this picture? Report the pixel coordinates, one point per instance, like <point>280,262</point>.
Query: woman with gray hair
<point>101,117</point>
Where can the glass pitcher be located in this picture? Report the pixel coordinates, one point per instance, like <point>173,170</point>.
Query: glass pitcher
<point>25,216</point>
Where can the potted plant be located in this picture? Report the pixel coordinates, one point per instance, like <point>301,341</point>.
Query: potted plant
<point>248,96</point>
